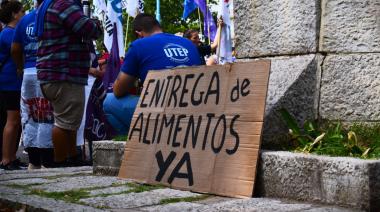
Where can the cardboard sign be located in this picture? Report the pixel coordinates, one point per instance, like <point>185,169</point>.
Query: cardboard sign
<point>199,129</point>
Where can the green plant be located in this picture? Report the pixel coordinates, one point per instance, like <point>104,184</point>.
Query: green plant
<point>331,138</point>
<point>120,138</point>
<point>183,199</point>
<point>72,196</point>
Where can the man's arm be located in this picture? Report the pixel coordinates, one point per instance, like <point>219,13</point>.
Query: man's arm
<point>73,18</point>
<point>123,84</point>
<point>17,54</point>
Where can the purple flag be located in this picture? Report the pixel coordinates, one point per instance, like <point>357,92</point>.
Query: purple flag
<point>209,22</point>
<point>96,126</point>
<point>113,63</point>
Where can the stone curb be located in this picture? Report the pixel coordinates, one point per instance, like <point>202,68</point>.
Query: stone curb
<point>343,181</point>
<point>107,156</point>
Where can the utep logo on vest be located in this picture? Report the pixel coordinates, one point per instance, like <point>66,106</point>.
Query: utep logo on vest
<point>29,31</point>
<point>176,53</point>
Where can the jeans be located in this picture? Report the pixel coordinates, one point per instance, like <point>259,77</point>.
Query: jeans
<point>119,111</point>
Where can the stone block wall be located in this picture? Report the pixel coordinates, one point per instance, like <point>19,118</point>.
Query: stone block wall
<point>279,27</point>
<point>325,58</point>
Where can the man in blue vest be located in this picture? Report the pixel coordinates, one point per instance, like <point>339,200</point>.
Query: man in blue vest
<point>154,50</point>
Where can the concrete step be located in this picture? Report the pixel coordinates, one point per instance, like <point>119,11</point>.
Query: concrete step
<point>344,181</point>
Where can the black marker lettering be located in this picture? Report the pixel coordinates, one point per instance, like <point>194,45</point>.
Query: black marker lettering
<point>140,118</point>
<point>217,149</point>
<point>157,93</point>
<point>211,91</point>
<point>146,141</point>
<point>163,165</point>
<point>194,133</point>
<point>177,174</point>
<point>176,85</point>
<point>245,85</point>
<point>166,89</point>
<point>142,105</point>
<point>235,134</point>
<point>185,90</point>
<point>210,116</point>
<point>199,101</point>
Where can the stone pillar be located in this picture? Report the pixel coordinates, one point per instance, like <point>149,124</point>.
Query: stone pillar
<point>287,31</point>
<point>350,36</point>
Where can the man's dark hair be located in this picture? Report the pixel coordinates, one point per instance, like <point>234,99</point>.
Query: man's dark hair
<point>7,10</point>
<point>188,33</point>
<point>146,23</point>
<point>39,2</point>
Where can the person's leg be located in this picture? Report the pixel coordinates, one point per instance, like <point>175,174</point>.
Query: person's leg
<point>34,157</point>
<point>64,142</point>
<point>59,137</point>
<point>119,111</point>
<point>47,157</point>
<point>10,135</point>
<point>3,121</point>
<point>68,103</point>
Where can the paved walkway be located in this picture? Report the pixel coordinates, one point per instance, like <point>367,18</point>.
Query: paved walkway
<point>77,189</point>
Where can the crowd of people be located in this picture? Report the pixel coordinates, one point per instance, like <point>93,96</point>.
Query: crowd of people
<point>46,58</point>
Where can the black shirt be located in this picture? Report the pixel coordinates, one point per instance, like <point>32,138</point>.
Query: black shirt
<point>203,51</point>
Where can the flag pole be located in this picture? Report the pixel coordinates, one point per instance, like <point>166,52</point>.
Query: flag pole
<point>200,21</point>
<point>208,24</point>
<point>126,33</point>
<point>158,15</point>
<point>219,40</point>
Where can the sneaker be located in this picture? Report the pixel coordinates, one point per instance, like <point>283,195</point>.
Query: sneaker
<point>32,167</point>
<point>19,163</point>
<point>10,166</point>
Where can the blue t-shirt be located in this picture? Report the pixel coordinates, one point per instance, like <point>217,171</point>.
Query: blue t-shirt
<point>23,35</point>
<point>9,81</point>
<point>159,51</point>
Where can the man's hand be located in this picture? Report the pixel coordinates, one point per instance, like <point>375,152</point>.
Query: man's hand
<point>95,72</point>
<point>220,22</point>
<point>123,85</point>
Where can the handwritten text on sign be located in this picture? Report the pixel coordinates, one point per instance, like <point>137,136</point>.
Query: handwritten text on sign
<point>199,128</point>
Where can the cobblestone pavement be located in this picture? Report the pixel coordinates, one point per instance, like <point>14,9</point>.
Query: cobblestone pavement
<point>77,189</point>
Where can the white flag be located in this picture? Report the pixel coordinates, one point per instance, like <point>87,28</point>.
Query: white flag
<point>133,7</point>
<point>114,15</point>
<point>100,9</point>
<point>225,44</point>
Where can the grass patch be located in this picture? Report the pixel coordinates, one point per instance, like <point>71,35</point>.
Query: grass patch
<point>72,196</point>
<point>183,199</point>
<point>135,188</point>
<point>24,187</point>
<point>120,138</point>
<point>333,139</point>
<point>138,188</point>
<point>66,175</point>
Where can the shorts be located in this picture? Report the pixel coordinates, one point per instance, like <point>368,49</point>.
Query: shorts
<point>10,100</point>
<point>67,100</point>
